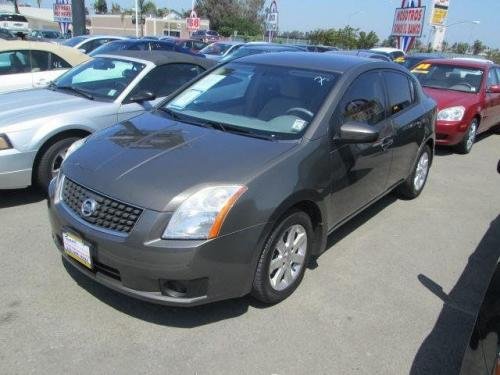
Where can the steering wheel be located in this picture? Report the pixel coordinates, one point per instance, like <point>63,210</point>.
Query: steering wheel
<point>300,110</point>
<point>462,84</point>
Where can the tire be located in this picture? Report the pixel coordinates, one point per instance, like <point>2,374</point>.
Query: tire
<point>412,187</point>
<point>50,159</point>
<point>274,285</point>
<point>465,146</point>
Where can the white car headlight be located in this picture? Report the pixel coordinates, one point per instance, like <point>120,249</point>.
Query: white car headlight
<point>201,215</point>
<point>451,114</point>
<point>75,146</point>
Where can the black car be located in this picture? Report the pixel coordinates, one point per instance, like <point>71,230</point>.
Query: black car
<point>363,53</point>
<point>230,186</point>
<point>206,36</point>
<point>139,45</point>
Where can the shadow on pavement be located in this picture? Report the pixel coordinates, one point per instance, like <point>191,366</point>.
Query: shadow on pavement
<point>443,349</point>
<point>449,150</point>
<point>180,317</point>
<point>19,197</point>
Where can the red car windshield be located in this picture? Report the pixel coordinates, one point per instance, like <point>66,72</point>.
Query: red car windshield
<point>449,77</point>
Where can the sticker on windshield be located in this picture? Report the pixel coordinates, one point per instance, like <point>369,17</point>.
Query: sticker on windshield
<point>422,68</point>
<point>111,92</point>
<point>208,82</point>
<point>186,98</point>
<point>298,125</point>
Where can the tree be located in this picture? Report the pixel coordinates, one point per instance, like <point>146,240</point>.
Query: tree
<point>478,47</point>
<point>100,6</point>
<point>116,8</point>
<point>16,7</point>
<point>460,48</point>
<point>367,41</point>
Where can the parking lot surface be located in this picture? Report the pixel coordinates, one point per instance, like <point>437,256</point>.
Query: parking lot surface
<point>396,292</point>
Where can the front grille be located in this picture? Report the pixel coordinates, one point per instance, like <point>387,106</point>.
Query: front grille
<point>108,213</point>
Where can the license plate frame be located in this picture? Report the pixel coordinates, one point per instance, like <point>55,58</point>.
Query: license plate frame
<point>77,248</point>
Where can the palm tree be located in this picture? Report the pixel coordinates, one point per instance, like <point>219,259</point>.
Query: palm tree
<point>145,7</point>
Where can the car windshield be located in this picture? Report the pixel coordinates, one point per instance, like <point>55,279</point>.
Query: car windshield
<point>101,78</point>
<point>254,100</point>
<point>449,77</point>
<point>216,49</point>
<point>74,41</point>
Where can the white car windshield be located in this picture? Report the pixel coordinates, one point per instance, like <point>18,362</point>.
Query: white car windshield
<point>272,101</point>
<point>101,78</point>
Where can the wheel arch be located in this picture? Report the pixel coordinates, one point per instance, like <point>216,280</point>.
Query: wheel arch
<point>67,133</point>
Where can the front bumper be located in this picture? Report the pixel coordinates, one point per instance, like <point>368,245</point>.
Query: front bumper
<point>15,168</point>
<point>144,266</point>
<point>449,133</point>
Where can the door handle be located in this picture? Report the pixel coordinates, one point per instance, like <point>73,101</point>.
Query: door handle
<point>386,143</point>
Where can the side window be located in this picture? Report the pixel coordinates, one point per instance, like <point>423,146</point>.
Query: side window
<point>56,62</point>
<point>400,92</point>
<point>13,62</point>
<point>39,61</point>
<point>165,79</point>
<point>364,101</point>
<point>492,77</point>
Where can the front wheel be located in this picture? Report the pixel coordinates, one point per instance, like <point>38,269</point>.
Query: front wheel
<point>283,261</point>
<point>414,184</point>
<point>465,146</point>
<point>50,162</point>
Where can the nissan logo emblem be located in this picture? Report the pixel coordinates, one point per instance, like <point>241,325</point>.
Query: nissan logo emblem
<point>88,207</point>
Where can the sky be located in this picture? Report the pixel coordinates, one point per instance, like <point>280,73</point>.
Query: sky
<point>376,15</point>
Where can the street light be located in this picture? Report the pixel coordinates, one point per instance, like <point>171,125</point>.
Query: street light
<point>476,22</point>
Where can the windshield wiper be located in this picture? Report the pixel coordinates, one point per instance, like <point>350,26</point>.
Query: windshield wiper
<point>74,89</point>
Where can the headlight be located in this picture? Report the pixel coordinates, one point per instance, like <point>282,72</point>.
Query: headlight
<point>4,142</point>
<point>75,146</point>
<point>451,114</point>
<point>201,215</point>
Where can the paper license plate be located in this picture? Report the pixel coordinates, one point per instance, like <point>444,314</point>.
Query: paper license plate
<point>76,248</point>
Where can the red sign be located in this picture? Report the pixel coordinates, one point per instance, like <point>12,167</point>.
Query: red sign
<point>193,24</point>
<point>409,22</point>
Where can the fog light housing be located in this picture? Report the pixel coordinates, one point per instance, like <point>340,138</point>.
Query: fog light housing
<point>184,288</point>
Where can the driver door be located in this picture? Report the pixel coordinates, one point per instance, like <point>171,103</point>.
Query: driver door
<point>360,171</point>
<point>161,81</point>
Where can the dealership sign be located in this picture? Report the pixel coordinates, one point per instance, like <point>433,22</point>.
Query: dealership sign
<point>63,14</point>
<point>408,23</point>
<point>439,12</point>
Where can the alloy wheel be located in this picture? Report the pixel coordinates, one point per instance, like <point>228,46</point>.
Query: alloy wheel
<point>421,172</point>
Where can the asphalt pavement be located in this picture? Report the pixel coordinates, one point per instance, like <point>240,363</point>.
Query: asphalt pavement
<point>396,292</point>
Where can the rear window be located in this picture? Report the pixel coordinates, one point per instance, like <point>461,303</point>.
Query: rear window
<point>13,18</point>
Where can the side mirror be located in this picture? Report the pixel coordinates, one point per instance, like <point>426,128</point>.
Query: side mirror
<point>357,132</point>
<point>494,89</point>
<point>142,96</point>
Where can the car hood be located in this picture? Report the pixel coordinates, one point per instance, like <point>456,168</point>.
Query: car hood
<point>21,106</point>
<point>151,159</point>
<point>450,98</point>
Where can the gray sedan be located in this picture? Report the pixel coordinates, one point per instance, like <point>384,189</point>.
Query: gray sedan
<point>38,126</point>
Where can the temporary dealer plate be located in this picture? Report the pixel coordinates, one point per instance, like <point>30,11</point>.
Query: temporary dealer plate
<point>76,248</point>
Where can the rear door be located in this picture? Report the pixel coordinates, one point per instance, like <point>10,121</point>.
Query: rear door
<point>360,171</point>
<point>492,101</point>
<point>407,120</point>
<point>15,71</point>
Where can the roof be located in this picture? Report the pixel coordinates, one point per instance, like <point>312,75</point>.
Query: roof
<point>386,49</point>
<point>328,62</point>
<point>463,63</point>
<point>164,57</point>
<point>71,55</point>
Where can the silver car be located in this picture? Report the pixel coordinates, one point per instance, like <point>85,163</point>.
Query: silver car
<point>38,126</point>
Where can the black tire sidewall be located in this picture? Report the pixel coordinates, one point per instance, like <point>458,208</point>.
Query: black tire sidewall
<point>43,171</point>
<point>262,288</point>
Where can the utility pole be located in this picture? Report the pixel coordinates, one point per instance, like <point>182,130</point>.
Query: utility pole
<point>78,15</point>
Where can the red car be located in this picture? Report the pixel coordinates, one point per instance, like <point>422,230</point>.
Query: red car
<point>467,93</point>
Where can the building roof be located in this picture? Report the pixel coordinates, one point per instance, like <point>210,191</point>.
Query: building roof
<point>164,57</point>
<point>71,55</point>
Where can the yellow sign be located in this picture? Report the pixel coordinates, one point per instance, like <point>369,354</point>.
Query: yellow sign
<point>439,16</point>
